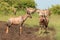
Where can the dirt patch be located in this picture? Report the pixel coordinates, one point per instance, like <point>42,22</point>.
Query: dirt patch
<point>28,33</point>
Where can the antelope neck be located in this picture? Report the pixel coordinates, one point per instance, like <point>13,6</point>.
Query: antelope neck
<point>25,17</point>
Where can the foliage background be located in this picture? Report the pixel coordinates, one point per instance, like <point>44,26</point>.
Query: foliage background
<point>8,6</point>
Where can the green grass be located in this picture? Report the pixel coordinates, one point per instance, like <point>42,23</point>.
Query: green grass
<point>54,21</point>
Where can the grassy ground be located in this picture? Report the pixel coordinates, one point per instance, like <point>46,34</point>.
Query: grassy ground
<point>54,21</point>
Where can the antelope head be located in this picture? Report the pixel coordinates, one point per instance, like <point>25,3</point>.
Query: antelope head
<point>29,15</point>
<point>30,10</point>
<point>48,12</point>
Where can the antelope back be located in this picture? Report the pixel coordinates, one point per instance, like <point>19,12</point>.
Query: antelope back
<point>16,20</point>
<point>40,12</point>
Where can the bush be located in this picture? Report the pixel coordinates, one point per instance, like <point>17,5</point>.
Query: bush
<point>8,6</point>
<point>55,9</point>
<point>26,3</point>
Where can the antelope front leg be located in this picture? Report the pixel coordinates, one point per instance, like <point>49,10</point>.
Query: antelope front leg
<point>7,30</point>
<point>20,30</point>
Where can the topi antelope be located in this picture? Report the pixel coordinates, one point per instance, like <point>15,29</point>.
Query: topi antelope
<point>18,20</point>
<point>43,19</point>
